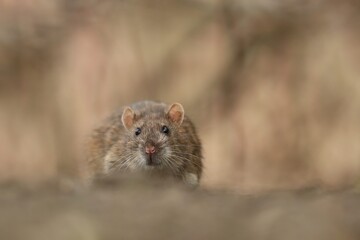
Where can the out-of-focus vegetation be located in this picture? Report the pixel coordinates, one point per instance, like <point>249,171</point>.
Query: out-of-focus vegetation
<point>272,85</point>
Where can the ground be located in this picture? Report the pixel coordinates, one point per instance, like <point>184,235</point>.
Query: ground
<point>144,209</point>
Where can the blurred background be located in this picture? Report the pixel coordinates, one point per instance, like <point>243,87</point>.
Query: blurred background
<point>273,86</point>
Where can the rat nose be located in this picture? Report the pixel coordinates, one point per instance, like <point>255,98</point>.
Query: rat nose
<point>150,149</point>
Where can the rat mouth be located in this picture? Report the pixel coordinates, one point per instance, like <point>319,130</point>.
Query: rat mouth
<point>152,160</point>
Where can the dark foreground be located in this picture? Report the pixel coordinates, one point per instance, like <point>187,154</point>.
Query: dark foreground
<point>140,209</point>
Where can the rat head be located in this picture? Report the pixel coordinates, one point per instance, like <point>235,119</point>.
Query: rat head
<point>150,132</point>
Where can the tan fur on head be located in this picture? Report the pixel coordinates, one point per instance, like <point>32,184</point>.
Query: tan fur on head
<point>128,117</point>
<point>176,113</point>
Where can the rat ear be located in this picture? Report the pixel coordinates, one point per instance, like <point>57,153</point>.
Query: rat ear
<point>128,117</point>
<point>176,113</point>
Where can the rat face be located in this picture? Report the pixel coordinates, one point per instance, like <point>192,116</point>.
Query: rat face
<point>148,141</point>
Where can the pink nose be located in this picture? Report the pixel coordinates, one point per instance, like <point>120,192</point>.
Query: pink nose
<point>150,149</point>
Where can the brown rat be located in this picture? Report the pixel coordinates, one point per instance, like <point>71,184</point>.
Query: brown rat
<point>147,136</point>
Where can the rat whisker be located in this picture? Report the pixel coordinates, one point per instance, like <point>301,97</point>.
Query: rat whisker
<point>187,154</point>
<point>187,160</point>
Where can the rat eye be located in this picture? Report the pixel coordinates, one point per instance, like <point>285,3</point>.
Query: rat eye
<point>165,129</point>
<point>137,131</point>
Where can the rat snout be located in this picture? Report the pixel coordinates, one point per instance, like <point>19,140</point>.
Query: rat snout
<point>150,149</point>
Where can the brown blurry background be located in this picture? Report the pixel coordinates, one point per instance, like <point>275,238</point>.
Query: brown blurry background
<point>273,86</point>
